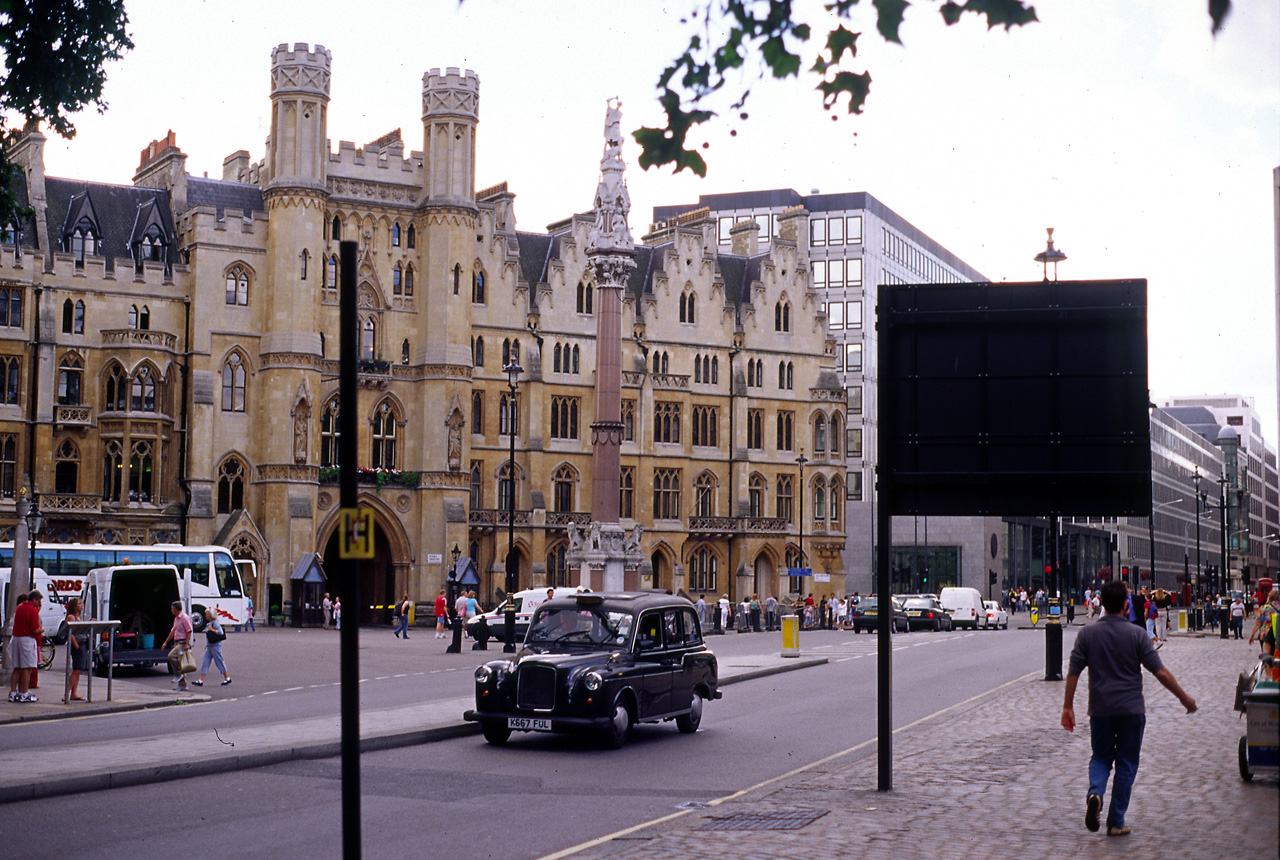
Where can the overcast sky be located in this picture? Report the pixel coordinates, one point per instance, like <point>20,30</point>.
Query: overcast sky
<point>1123,124</point>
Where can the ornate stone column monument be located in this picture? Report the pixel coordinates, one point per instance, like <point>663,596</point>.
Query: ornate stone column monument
<point>606,557</point>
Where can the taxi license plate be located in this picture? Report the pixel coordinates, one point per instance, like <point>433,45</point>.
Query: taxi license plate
<point>532,724</point>
<point>914,614</point>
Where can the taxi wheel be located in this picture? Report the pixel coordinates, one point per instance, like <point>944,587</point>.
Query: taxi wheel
<point>615,735</point>
<point>688,723</point>
<point>495,732</point>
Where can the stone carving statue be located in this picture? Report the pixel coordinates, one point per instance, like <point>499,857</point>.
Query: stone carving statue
<point>594,541</point>
<point>575,537</point>
<point>632,543</point>
<point>301,434</point>
<point>612,202</point>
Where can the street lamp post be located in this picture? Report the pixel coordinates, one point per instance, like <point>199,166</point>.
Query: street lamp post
<point>800,461</point>
<point>1151,533</point>
<point>455,646</point>
<point>513,371</point>
<point>1195,588</point>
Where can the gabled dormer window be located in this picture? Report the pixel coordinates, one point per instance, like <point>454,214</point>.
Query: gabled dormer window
<point>83,242</point>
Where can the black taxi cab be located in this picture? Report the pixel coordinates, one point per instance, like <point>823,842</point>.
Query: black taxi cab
<point>598,663</point>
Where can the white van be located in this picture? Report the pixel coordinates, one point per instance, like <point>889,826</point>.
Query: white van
<point>526,602</point>
<point>965,607</point>
<point>140,597</point>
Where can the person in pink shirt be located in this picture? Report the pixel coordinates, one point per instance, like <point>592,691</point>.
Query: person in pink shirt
<point>180,634</point>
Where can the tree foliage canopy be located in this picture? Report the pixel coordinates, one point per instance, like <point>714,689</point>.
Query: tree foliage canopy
<point>731,35</point>
<point>55,56</point>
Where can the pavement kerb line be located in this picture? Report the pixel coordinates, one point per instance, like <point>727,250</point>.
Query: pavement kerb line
<point>600,840</point>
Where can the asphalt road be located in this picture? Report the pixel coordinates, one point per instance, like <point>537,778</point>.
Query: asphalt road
<point>465,799</point>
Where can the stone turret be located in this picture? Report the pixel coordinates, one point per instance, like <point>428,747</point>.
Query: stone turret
<point>450,111</point>
<point>297,148</point>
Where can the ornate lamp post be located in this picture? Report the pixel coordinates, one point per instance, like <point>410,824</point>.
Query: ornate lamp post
<point>513,371</point>
<point>35,520</point>
<point>455,625</point>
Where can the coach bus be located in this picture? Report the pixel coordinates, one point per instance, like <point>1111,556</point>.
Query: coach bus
<point>215,578</point>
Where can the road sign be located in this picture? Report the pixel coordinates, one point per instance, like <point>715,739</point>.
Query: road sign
<point>799,571</point>
<point>435,557</point>
<point>355,533</point>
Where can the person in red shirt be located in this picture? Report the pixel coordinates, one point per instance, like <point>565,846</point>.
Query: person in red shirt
<point>26,649</point>
<point>442,614</point>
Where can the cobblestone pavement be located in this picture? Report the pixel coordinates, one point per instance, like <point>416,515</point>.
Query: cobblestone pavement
<point>999,777</point>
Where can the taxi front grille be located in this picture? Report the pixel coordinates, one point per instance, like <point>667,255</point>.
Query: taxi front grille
<point>536,687</point>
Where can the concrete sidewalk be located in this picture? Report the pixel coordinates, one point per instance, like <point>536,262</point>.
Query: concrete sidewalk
<point>25,775</point>
<point>997,777</point>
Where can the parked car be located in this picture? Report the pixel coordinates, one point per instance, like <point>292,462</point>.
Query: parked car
<point>866,615</point>
<point>965,606</point>
<point>926,613</point>
<point>997,617</point>
<point>599,663</point>
<point>526,601</point>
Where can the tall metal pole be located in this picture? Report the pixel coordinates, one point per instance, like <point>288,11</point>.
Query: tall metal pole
<point>509,632</point>
<point>1195,588</point>
<point>349,587</point>
<point>801,460</point>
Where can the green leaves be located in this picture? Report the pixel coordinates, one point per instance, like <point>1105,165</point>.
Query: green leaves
<point>1009,13</point>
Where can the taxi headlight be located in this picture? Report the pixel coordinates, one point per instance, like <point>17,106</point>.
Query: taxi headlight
<point>592,681</point>
<point>483,674</point>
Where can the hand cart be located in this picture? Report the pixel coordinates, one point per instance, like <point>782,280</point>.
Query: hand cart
<point>1260,747</point>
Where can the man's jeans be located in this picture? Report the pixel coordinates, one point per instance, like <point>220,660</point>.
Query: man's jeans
<point>1115,740</point>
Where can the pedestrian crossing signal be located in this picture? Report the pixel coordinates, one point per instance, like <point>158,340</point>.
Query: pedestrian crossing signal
<point>355,533</point>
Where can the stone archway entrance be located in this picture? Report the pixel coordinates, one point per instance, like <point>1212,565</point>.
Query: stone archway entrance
<point>379,575</point>
<point>766,582</point>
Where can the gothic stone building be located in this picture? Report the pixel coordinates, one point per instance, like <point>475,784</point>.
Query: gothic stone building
<point>170,366</point>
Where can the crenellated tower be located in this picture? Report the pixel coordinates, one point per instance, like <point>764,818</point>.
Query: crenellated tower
<point>450,111</point>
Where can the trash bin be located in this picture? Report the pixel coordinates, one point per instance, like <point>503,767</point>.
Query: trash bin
<point>1182,621</point>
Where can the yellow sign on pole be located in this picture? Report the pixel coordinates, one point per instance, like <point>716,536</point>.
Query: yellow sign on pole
<point>355,533</point>
<point>1035,616</point>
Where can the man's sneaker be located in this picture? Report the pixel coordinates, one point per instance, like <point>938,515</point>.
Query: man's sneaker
<point>182,688</point>
<point>1122,830</point>
<point>13,695</point>
<point>1092,807</point>
<point>27,697</point>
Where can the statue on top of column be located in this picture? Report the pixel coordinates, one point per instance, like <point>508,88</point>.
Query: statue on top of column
<point>612,203</point>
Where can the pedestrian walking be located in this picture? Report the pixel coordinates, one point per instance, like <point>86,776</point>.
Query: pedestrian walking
<point>327,606</point>
<point>180,635</point>
<point>337,613</point>
<point>24,647</point>
<point>213,639</point>
<point>1115,654</point>
<point>249,606</point>
<point>402,617</point>
<point>1264,623</point>
<point>771,612</point>
<point>701,608</point>
<point>1237,617</point>
<point>442,614</point>
<point>79,645</point>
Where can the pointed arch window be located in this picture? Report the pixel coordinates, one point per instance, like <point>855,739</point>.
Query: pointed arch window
<point>395,235</point>
<point>837,500</point>
<point>819,499</point>
<point>83,242</point>
<point>477,487</point>
<point>477,288</point>
<point>143,391</point>
<point>508,415</point>
<point>704,571</point>
<point>304,257</point>
<point>666,494</point>
<point>715,370</point>
<point>70,372</point>
<point>141,466</point>
<point>329,434</point>
<point>397,280</point>
<point>562,489</point>
<point>506,487</point>
<point>457,277</point>
<point>73,317</point>
<point>555,358</point>
<point>383,455</point>
<point>585,298</point>
<point>557,569</point>
<point>66,468</point>
<point>575,358</point>
<point>837,432</point>
<point>820,435</point>
<point>686,308</point>
<point>704,496</point>
<point>755,495</point>
<point>408,280</point>
<point>404,351</point>
<point>233,383</point>
<point>231,477</point>
<point>237,286</point>
<point>112,471</point>
<point>412,237</point>
<point>335,229</point>
<point>369,339</point>
<point>627,492</point>
<point>477,349</point>
<point>784,498</point>
<point>116,390</point>
<point>477,413</point>
<point>331,273</point>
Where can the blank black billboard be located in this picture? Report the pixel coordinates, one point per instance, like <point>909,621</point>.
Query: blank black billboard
<point>1025,399</point>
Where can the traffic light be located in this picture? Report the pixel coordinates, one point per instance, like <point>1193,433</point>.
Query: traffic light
<point>991,577</point>
<point>1244,573</point>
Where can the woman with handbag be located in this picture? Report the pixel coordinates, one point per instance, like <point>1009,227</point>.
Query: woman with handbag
<point>213,637</point>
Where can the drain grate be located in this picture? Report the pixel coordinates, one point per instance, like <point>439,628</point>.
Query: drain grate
<point>765,820</point>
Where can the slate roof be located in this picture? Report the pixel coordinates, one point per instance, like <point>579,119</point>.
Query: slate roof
<point>224,194</point>
<point>1198,418</point>
<point>115,208</point>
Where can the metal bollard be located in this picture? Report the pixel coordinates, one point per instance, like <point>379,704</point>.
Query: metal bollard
<point>1053,650</point>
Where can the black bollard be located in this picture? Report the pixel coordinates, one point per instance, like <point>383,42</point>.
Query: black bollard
<point>482,635</point>
<point>1224,618</point>
<point>1053,651</point>
<point>455,647</point>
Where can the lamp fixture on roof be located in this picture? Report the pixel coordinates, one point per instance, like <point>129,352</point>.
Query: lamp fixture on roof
<point>1049,255</point>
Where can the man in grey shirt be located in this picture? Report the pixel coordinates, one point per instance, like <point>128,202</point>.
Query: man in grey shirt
<point>1114,651</point>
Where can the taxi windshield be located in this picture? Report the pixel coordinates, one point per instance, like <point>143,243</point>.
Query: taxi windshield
<point>576,626</point>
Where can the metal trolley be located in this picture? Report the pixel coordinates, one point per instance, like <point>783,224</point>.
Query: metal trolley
<point>1260,702</point>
